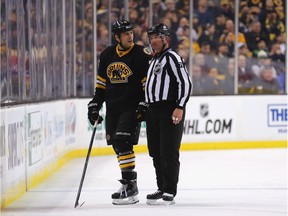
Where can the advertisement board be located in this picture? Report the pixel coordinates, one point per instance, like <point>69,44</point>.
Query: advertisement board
<point>37,139</point>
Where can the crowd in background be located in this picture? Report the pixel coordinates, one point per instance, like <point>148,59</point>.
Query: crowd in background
<point>261,42</point>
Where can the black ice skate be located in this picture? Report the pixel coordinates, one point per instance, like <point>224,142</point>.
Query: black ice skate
<point>127,194</point>
<point>155,198</point>
<point>160,198</point>
<point>168,199</point>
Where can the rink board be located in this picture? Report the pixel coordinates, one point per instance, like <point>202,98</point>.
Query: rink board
<point>37,139</point>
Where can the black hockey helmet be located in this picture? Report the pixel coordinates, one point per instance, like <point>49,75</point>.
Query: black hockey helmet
<point>159,29</point>
<point>121,26</point>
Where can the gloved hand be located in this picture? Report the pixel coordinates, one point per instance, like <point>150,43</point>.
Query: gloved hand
<point>141,112</point>
<point>93,112</point>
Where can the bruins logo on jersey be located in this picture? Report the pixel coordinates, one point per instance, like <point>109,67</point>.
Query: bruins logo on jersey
<point>118,72</point>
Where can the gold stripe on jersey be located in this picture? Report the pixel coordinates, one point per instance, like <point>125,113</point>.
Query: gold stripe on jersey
<point>122,53</point>
<point>101,79</point>
<point>100,86</point>
<point>144,80</point>
<point>100,82</point>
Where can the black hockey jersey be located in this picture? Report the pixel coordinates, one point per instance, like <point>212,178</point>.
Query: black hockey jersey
<point>121,77</point>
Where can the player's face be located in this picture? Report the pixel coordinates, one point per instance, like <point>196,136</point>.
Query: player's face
<point>157,42</point>
<point>126,39</point>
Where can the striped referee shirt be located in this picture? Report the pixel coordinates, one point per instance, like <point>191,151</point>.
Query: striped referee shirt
<point>168,80</point>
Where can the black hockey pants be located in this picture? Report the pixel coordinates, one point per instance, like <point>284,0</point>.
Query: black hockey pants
<point>164,140</point>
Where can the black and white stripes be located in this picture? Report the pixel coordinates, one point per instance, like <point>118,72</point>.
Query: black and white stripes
<point>168,80</point>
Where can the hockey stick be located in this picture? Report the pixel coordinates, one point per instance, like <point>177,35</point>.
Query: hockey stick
<point>86,163</point>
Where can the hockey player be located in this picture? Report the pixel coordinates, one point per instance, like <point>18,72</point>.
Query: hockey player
<point>167,91</point>
<point>120,84</point>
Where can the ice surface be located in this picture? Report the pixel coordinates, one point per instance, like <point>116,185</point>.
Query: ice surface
<point>211,183</point>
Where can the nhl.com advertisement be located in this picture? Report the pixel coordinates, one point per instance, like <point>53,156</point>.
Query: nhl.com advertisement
<point>226,119</point>
<point>203,123</point>
<point>240,118</point>
<point>209,120</point>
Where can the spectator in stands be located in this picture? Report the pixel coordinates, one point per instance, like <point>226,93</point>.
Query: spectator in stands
<point>244,19</point>
<point>245,76</point>
<point>261,46</point>
<point>3,75</point>
<point>213,6</point>
<point>209,36</point>
<point>184,53</point>
<point>204,14</point>
<point>196,25</point>
<point>276,54</point>
<point>134,4</point>
<point>277,63</point>
<point>273,5</point>
<point>281,41</point>
<point>254,14</point>
<point>243,50</point>
<point>221,59</point>
<point>209,54</point>
<point>173,36</point>
<point>273,25</point>
<point>170,5</point>
<point>157,10</point>
<point>220,25</point>
<point>137,32</point>
<point>229,80</point>
<point>281,76</point>
<point>186,36</point>
<point>88,26</point>
<point>199,60</point>
<point>255,35</point>
<point>102,36</point>
<point>198,80</point>
<point>183,24</point>
<point>230,28</point>
<point>172,15</point>
<point>213,85</point>
<point>226,10</point>
<point>229,40</point>
<point>183,7</point>
<point>134,16</point>
<point>263,60</point>
<point>266,83</point>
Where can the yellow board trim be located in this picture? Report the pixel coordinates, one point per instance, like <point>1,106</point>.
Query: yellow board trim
<point>17,191</point>
<point>234,145</point>
<point>11,194</point>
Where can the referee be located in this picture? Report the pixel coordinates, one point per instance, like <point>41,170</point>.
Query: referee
<point>167,91</point>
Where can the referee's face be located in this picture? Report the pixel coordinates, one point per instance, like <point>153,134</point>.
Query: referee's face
<point>157,42</point>
<point>126,39</point>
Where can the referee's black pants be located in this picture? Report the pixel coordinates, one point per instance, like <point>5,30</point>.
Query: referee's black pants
<point>164,140</point>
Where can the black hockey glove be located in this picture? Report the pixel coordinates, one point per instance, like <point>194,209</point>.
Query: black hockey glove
<point>141,112</point>
<point>93,112</point>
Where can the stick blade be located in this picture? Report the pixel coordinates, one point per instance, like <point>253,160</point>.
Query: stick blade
<point>77,204</point>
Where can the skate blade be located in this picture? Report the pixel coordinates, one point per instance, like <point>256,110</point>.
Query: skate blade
<point>167,203</point>
<point>159,202</point>
<point>126,201</point>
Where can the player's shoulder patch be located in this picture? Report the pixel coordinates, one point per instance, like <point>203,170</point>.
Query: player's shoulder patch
<point>147,51</point>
